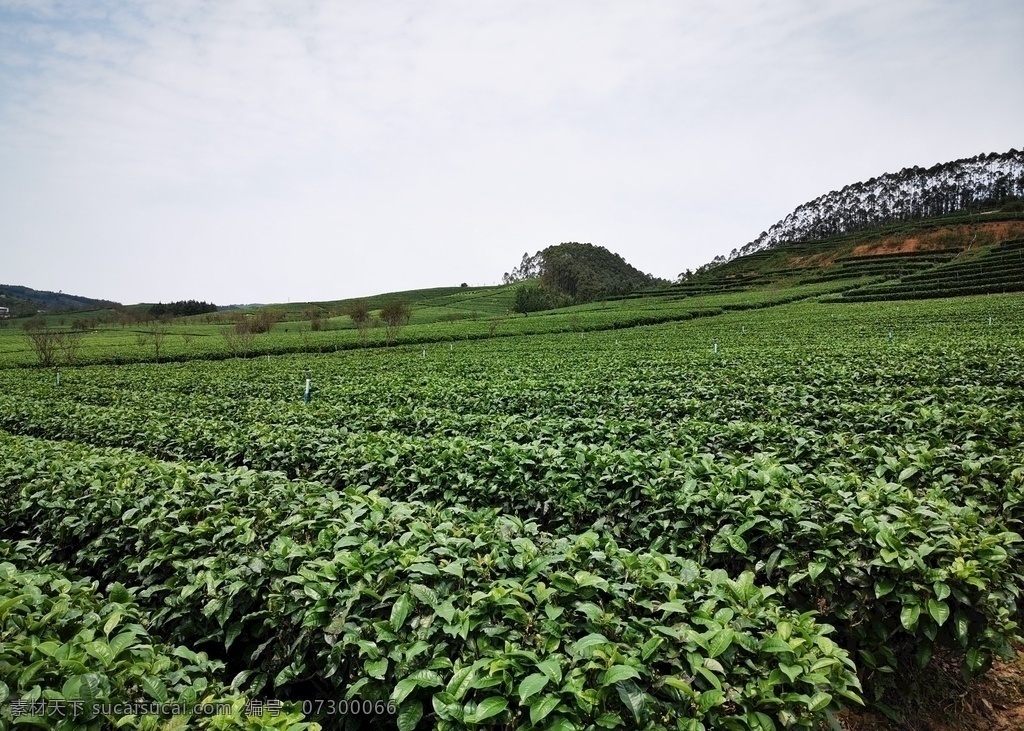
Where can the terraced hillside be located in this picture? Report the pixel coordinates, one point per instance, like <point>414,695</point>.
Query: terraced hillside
<point>960,244</point>
<point>996,269</point>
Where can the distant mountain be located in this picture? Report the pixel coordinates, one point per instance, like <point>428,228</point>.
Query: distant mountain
<point>912,193</point>
<point>581,272</point>
<point>26,301</point>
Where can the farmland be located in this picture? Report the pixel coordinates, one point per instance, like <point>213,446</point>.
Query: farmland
<point>749,520</point>
<point>438,317</point>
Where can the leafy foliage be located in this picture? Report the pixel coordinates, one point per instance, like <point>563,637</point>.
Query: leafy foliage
<point>483,537</point>
<point>531,298</point>
<point>437,606</point>
<point>182,308</point>
<point>577,273</point>
<point>65,646</point>
<point>395,315</point>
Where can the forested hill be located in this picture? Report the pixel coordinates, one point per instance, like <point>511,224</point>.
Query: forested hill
<point>581,272</point>
<point>912,193</point>
<point>27,301</point>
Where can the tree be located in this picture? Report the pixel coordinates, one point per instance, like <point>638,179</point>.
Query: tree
<point>394,315</point>
<point>69,343</point>
<point>314,315</point>
<point>47,344</point>
<point>529,299</point>
<point>239,340</point>
<point>154,334</point>
<point>182,308</point>
<point>359,313</point>
<point>43,340</point>
<point>263,321</point>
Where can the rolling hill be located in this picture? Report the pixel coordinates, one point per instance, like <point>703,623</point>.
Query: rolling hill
<point>952,229</point>
<point>27,301</point>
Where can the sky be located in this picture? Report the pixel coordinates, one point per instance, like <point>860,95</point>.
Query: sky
<point>241,151</point>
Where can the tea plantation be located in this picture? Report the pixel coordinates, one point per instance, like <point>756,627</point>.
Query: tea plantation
<point>744,521</point>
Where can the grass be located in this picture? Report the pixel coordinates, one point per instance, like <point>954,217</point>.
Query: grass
<point>438,316</point>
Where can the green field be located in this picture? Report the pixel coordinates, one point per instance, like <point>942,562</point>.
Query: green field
<point>748,516</point>
<point>438,317</point>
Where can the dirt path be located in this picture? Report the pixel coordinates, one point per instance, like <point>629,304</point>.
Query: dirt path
<point>994,702</point>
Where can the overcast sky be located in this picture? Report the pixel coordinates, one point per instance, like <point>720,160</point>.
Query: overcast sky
<point>262,151</point>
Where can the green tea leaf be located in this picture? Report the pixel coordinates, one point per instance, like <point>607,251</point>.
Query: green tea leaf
<point>632,697</point>
<point>585,646</point>
<point>618,672</point>
<point>939,611</point>
<point>489,707</point>
<point>883,587</point>
<point>409,714</point>
<point>909,616</point>
<point>400,611</point>
<point>461,682</point>
<point>402,690</point>
<point>541,708</point>
<point>531,685</point>
<point>551,668</point>
<point>154,688</point>
<point>819,701</point>
<point>376,668</point>
<point>709,699</point>
<point>720,642</point>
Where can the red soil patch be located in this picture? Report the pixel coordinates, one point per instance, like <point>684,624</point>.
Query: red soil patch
<point>946,237</point>
<point>813,260</point>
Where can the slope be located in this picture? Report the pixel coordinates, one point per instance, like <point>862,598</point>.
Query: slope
<point>27,301</point>
<point>886,253</point>
<point>969,184</point>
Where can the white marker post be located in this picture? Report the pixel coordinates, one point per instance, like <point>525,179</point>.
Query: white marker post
<point>714,351</point>
<point>305,396</point>
<point>58,377</point>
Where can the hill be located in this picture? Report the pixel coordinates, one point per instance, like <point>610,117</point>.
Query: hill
<point>573,273</point>
<point>885,236</point>
<point>27,301</point>
<point>969,184</point>
<point>889,255</point>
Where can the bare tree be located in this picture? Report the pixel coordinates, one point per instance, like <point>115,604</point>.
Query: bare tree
<point>48,344</point>
<point>239,341</point>
<point>44,343</point>
<point>69,344</point>
<point>394,315</point>
<point>359,313</point>
<point>154,334</point>
<point>493,325</point>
